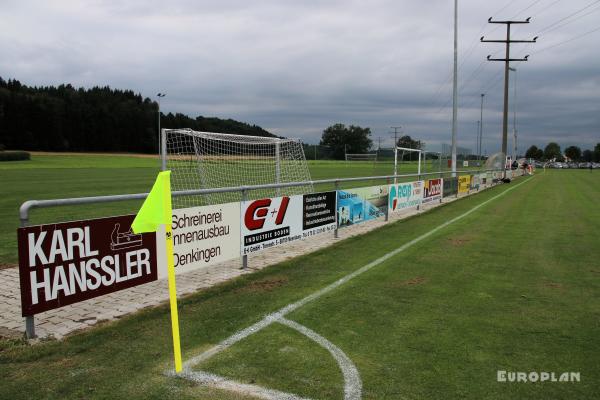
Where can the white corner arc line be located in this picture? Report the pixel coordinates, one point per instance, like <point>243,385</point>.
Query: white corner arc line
<point>352,382</point>
<point>219,382</point>
<point>280,314</point>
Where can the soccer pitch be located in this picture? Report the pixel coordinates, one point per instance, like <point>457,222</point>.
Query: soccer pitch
<point>507,279</point>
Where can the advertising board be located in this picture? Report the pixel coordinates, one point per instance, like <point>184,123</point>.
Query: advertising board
<point>432,190</point>
<point>475,182</point>
<point>483,178</point>
<point>405,195</point>
<point>204,236</point>
<point>65,263</point>
<point>361,204</point>
<point>450,186</point>
<point>464,183</point>
<point>275,221</point>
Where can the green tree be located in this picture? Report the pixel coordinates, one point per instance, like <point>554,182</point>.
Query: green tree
<point>597,152</point>
<point>64,118</point>
<point>552,150</point>
<point>534,152</point>
<point>573,152</point>
<point>341,140</point>
<point>588,155</point>
<point>539,155</point>
<point>407,142</point>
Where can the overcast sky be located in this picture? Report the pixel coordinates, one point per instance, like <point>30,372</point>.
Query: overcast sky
<point>296,67</point>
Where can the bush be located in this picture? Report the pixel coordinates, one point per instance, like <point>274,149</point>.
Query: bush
<point>14,155</point>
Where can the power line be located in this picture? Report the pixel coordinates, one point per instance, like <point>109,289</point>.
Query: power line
<point>527,8</point>
<point>567,41</point>
<point>465,56</point>
<point>567,17</point>
<point>556,24</point>
<point>573,20</point>
<point>477,71</point>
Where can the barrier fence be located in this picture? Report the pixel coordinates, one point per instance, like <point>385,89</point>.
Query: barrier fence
<point>64,263</point>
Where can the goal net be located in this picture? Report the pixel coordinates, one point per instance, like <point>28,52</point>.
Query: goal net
<point>204,160</point>
<point>362,157</point>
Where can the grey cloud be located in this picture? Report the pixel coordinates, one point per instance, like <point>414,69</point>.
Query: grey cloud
<point>296,67</point>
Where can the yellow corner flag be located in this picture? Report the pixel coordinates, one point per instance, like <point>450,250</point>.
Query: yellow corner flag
<point>156,211</point>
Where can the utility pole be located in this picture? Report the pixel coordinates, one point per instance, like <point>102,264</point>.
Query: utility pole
<point>478,140</point>
<point>481,126</point>
<point>514,114</point>
<point>395,128</point>
<point>507,61</point>
<point>455,89</point>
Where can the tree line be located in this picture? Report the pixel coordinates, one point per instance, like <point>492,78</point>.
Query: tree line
<point>340,140</point>
<point>65,118</point>
<point>552,151</point>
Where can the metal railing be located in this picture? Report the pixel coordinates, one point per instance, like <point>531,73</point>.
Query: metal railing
<point>30,204</point>
<point>27,206</point>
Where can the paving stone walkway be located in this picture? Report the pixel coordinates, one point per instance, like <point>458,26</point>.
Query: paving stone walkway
<point>62,321</point>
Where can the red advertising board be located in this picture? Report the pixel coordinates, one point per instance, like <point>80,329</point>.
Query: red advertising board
<point>65,263</point>
<point>432,190</point>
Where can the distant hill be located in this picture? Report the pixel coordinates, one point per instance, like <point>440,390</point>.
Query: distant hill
<point>65,118</point>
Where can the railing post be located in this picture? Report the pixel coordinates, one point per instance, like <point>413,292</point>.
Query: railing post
<point>419,179</point>
<point>387,205</point>
<point>455,184</point>
<point>29,319</point>
<point>335,231</point>
<point>244,256</point>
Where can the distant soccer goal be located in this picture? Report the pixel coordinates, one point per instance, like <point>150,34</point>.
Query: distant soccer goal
<point>205,160</point>
<point>399,153</point>
<point>361,157</point>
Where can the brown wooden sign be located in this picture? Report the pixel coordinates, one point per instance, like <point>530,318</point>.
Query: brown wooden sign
<point>65,263</point>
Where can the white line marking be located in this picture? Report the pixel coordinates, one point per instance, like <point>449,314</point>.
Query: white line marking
<point>279,315</point>
<point>352,382</point>
<point>219,382</point>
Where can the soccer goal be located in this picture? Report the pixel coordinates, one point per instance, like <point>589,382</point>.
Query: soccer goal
<point>362,157</point>
<point>399,153</point>
<point>431,161</point>
<point>205,160</point>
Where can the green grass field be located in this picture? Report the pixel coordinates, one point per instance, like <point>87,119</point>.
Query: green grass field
<point>511,286</point>
<point>61,176</point>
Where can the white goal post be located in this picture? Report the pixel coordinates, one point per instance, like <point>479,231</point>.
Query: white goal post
<point>207,160</point>
<point>403,150</point>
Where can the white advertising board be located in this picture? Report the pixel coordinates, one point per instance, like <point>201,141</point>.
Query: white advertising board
<point>405,195</point>
<point>279,220</point>
<point>204,236</point>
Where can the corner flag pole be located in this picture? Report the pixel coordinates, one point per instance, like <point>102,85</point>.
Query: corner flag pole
<point>171,278</point>
<point>157,211</point>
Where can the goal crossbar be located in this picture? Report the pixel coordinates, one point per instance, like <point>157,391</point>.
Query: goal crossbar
<point>419,151</point>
